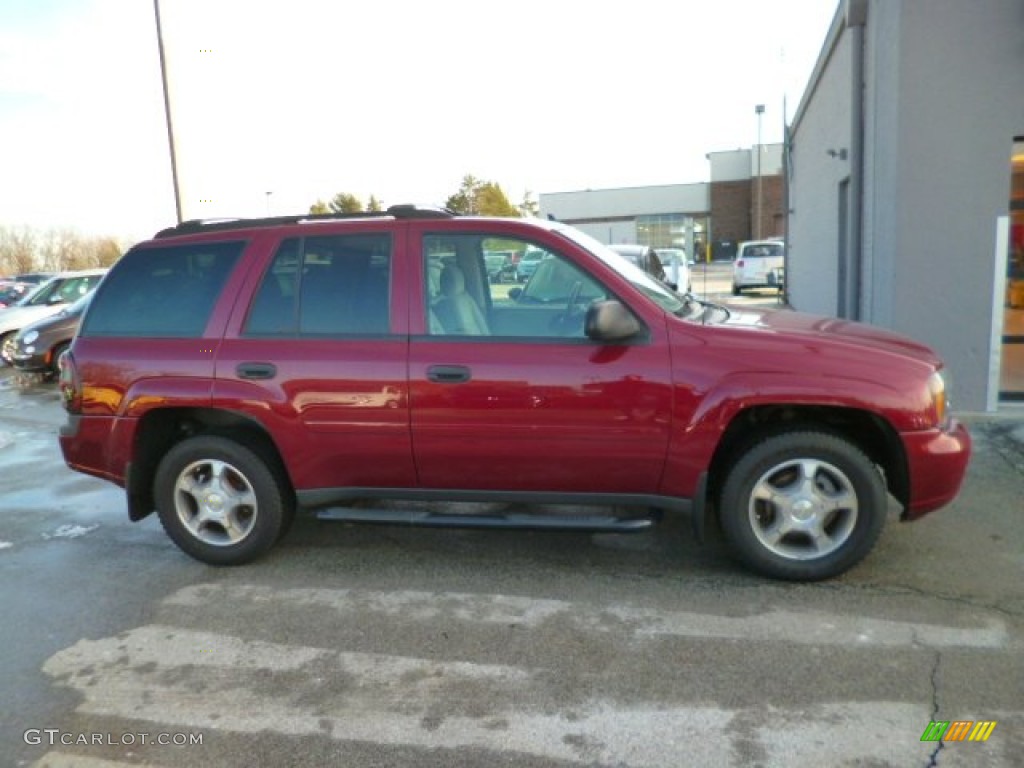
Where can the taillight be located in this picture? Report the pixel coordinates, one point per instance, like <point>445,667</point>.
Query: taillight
<point>70,386</point>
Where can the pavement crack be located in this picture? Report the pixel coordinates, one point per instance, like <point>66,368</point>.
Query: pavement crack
<point>933,758</point>
<point>1006,446</point>
<point>906,589</point>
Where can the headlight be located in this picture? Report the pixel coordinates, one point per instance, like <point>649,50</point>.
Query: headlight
<point>939,392</point>
<point>29,337</point>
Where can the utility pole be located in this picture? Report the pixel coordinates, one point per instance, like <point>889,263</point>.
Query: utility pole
<point>758,110</point>
<point>167,111</point>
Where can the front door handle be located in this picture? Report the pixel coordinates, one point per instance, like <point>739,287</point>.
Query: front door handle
<point>448,374</point>
<point>256,370</point>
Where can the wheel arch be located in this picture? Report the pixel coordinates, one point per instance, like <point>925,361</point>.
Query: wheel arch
<point>868,431</point>
<point>162,428</point>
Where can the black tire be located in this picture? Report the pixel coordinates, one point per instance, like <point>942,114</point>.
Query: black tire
<point>54,370</point>
<point>245,500</point>
<point>802,506</point>
<point>7,347</point>
<point>736,290</point>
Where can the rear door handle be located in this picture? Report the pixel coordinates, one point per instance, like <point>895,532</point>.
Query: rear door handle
<point>448,374</point>
<point>256,370</point>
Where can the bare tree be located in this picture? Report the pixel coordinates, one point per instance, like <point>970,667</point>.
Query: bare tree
<point>54,250</point>
<point>17,251</point>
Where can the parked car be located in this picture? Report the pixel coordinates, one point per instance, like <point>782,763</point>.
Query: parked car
<point>528,263</point>
<point>38,346</point>
<point>35,278</point>
<point>758,264</point>
<point>677,267</point>
<point>227,374</point>
<point>48,299</point>
<point>501,266</point>
<point>11,292</point>
<point>646,258</point>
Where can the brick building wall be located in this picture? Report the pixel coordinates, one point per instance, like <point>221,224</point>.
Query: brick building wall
<point>773,212</point>
<point>730,210</point>
<point>733,209</point>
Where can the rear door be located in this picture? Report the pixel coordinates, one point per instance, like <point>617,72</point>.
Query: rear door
<point>524,401</point>
<point>319,356</point>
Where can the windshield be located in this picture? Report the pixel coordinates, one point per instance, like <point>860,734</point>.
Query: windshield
<point>44,294</point>
<point>657,292</point>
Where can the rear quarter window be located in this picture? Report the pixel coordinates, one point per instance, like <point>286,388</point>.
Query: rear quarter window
<point>162,291</point>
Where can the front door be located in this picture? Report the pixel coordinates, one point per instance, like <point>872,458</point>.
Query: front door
<point>507,393</point>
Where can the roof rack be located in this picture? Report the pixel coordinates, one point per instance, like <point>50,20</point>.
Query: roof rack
<point>405,211</point>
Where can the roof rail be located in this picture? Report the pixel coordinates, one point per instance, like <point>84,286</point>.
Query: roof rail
<point>405,211</point>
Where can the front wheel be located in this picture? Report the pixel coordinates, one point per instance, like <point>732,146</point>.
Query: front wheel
<point>803,506</point>
<point>7,348</point>
<point>219,501</point>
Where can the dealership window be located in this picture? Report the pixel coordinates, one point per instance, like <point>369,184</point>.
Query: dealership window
<point>663,230</point>
<point>1011,385</point>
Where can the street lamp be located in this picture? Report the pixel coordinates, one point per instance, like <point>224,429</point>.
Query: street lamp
<point>167,110</point>
<point>758,110</point>
<point>268,201</point>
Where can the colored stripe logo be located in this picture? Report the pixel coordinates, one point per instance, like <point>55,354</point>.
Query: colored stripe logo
<point>958,730</point>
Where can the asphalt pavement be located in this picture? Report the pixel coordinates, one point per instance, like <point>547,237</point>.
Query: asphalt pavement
<point>392,646</point>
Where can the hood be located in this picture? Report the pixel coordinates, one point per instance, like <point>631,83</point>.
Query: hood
<point>831,331</point>
<point>16,318</point>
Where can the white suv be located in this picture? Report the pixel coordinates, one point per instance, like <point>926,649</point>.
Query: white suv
<point>758,264</point>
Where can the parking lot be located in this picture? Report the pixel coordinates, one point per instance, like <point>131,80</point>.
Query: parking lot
<point>394,646</point>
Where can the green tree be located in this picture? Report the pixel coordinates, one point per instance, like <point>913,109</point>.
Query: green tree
<point>344,202</point>
<point>374,204</point>
<point>484,198</point>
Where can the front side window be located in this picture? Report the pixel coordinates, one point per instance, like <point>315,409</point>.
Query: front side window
<point>542,295</point>
<point>335,285</point>
<point>162,291</point>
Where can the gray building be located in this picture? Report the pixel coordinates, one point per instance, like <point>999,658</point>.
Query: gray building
<point>905,201</point>
<point>746,188</point>
<point>670,215</point>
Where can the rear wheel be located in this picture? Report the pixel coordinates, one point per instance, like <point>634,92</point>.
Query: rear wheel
<point>219,501</point>
<point>736,290</point>
<point>803,506</point>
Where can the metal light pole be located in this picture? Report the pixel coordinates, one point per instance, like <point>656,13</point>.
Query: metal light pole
<point>758,110</point>
<point>167,110</point>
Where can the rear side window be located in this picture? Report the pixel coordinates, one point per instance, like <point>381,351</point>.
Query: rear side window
<point>336,285</point>
<point>763,250</point>
<point>162,292</point>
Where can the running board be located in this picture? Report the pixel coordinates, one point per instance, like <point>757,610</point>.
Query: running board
<point>598,523</point>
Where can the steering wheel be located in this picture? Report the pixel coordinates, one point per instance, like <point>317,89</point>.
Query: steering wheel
<point>564,323</point>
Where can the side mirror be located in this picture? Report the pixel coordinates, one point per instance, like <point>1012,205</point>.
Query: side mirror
<point>515,293</point>
<point>610,321</point>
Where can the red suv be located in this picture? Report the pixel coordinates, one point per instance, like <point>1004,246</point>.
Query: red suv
<point>229,373</point>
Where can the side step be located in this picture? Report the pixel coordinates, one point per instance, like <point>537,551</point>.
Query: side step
<point>597,523</point>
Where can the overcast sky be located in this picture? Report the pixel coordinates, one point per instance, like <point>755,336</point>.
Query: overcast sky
<point>401,99</point>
